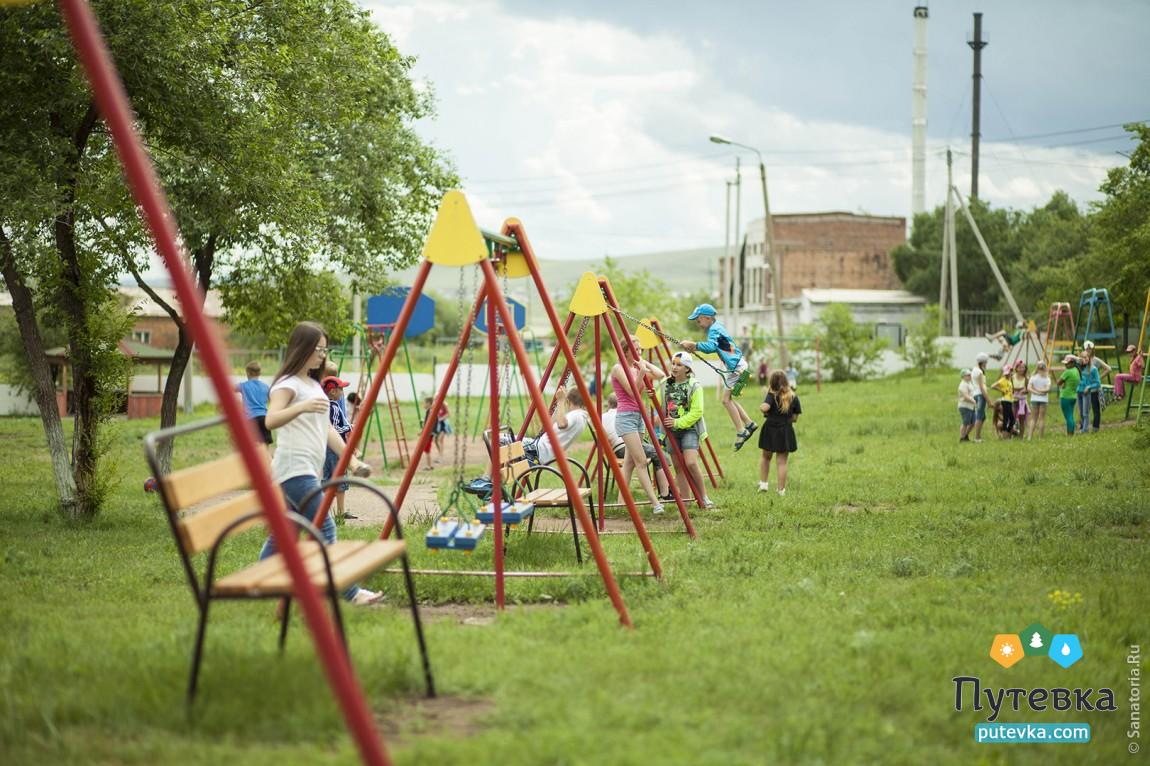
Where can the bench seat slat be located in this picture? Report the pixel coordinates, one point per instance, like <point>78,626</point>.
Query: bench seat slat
<point>351,561</point>
<point>195,484</point>
<point>552,497</point>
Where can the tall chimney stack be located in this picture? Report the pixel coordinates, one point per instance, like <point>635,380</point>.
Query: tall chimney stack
<point>918,115</point>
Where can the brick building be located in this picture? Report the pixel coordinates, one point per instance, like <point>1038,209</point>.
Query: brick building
<point>820,250</point>
<point>153,327</point>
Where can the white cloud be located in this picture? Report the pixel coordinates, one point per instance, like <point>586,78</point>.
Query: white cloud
<point>596,136</point>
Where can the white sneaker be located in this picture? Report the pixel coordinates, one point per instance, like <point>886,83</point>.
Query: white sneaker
<point>764,486</point>
<point>363,470</point>
<point>365,597</point>
<point>708,503</point>
<point>782,492</point>
<point>657,508</point>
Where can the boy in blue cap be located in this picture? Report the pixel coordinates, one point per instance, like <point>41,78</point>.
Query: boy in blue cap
<point>720,342</point>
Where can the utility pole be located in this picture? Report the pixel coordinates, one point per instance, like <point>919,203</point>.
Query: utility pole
<point>976,44</point>
<point>952,246</point>
<point>725,270</point>
<point>737,262</point>
<point>775,261</point>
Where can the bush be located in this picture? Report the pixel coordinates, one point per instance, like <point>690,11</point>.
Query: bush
<point>923,349</point>
<point>850,351</point>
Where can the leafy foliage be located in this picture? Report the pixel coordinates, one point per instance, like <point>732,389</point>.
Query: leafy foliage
<point>849,350</point>
<point>281,131</point>
<point>923,348</point>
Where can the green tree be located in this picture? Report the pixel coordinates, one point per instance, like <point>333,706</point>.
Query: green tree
<point>918,262</point>
<point>924,348</point>
<point>1119,253</point>
<point>282,132</point>
<point>1051,238</point>
<point>849,350</point>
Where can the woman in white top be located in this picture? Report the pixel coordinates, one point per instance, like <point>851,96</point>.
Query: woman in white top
<point>298,410</point>
<point>1039,388</point>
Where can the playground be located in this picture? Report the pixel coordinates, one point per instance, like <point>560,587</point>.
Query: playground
<point>884,573</point>
<point>568,562</point>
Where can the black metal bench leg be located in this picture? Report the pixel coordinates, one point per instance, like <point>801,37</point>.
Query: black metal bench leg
<point>418,627</point>
<point>284,624</point>
<point>198,651</point>
<point>575,533</point>
<point>337,614</point>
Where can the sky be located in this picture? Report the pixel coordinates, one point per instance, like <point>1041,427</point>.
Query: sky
<point>589,121</point>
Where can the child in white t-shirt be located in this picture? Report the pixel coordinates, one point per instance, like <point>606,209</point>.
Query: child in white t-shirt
<point>1039,388</point>
<point>299,410</point>
<point>966,405</point>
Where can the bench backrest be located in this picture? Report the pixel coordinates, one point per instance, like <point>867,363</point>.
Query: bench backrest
<point>203,500</point>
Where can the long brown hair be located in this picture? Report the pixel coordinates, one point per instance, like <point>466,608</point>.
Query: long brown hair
<point>781,388</point>
<point>305,336</point>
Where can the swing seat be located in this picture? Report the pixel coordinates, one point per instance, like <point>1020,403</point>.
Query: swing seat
<point>513,513</point>
<point>454,535</point>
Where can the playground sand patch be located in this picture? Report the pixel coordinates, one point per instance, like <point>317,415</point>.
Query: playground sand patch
<point>443,716</point>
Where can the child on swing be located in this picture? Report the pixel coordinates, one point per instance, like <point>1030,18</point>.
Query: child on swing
<point>719,342</point>
<point>1008,341</point>
<point>683,396</point>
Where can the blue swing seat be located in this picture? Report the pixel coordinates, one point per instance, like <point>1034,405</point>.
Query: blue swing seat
<point>513,513</point>
<point>454,534</point>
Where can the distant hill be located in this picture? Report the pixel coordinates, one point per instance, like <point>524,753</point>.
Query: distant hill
<point>683,271</point>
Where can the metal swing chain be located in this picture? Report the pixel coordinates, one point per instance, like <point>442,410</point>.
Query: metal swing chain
<point>643,324</point>
<point>574,350</point>
<point>465,407</point>
<point>504,385</point>
<point>663,335</point>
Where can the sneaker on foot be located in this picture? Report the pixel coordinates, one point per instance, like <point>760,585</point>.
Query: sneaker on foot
<point>708,503</point>
<point>782,492</point>
<point>764,486</point>
<point>667,498</point>
<point>741,439</point>
<point>996,356</point>
<point>365,597</point>
<point>362,470</point>
<point>657,508</point>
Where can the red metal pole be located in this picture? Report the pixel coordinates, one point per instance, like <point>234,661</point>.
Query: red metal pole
<point>665,363</point>
<point>113,103</point>
<point>609,294</point>
<point>546,376</point>
<point>440,396</point>
<point>496,475</point>
<point>710,447</point>
<point>494,297</point>
<point>599,405</point>
<point>368,405</point>
<point>596,421</point>
<point>637,393</point>
<point>818,368</point>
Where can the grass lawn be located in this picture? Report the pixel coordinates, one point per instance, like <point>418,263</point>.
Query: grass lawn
<point>823,627</point>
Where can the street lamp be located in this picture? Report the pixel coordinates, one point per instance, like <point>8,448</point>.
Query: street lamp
<point>769,241</point>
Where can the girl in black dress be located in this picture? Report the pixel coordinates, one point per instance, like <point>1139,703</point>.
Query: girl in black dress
<point>777,436</point>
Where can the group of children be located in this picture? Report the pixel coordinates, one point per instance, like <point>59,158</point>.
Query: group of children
<point>1021,408</point>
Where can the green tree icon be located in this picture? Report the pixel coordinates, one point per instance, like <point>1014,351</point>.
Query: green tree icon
<point>1035,640</point>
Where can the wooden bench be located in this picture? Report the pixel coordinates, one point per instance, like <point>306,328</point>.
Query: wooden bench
<point>520,479</point>
<point>210,502</point>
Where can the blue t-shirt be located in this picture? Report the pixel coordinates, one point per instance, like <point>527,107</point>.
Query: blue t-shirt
<point>255,395</point>
<point>1091,379</point>
<point>719,342</point>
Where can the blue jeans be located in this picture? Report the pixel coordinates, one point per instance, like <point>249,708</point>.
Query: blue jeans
<point>979,408</point>
<point>1083,411</point>
<point>294,490</point>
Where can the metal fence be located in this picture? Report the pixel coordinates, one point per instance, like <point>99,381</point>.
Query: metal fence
<point>974,323</point>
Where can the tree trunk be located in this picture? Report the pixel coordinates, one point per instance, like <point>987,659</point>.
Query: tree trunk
<point>45,388</point>
<point>86,423</point>
<point>202,261</point>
